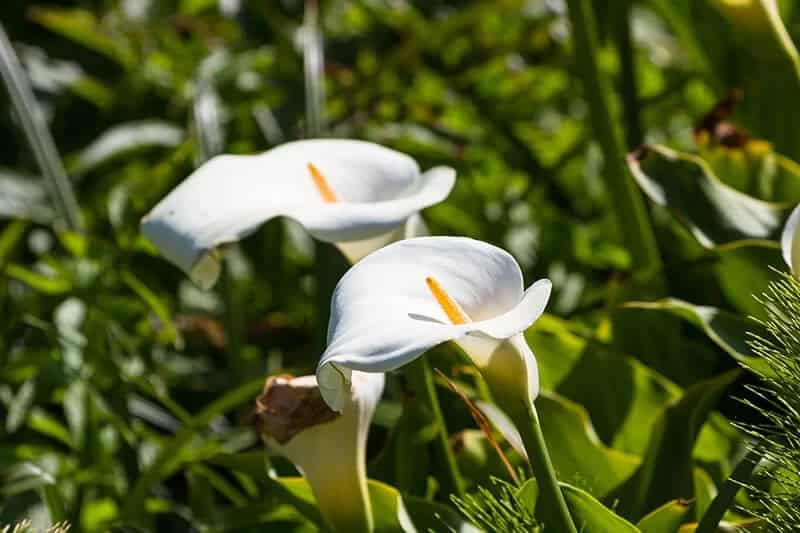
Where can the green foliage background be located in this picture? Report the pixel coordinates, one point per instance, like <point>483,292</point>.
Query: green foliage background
<point>124,389</point>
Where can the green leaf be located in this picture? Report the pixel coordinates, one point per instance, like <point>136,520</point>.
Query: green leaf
<point>667,518</point>
<point>20,406</point>
<point>727,330</point>
<point>772,75</point>
<point>578,455</point>
<point>556,347</point>
<point>743,271</point>
<point>170,456</point>
<point>23,197</point>
<point>623,419</point>
<point>583,371</point>
<point>81,26</point>
<point>714,212</point>
<point>169,333</point>
<point>391,512</point>
<point>667,472</point>
<point>39,282</point>
<point>592,516</point>
<point>125,139</point>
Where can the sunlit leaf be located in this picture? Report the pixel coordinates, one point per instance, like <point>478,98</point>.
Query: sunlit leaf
<point>714,212</point>
<point>591,515</point>
<point>666,472</point>
<point>727,330</point>
<point>667,518</point>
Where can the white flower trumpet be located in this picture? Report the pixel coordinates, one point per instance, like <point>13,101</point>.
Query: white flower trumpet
<point>410,296</point>
<point>327,447</point>
<point>357,195</point>
<point>790,241</point>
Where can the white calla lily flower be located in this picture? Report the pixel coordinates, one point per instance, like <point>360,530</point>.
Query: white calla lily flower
<point>412,295</point>
<point>790,241</point>
<point>356,194</point>
<point>328,448</point>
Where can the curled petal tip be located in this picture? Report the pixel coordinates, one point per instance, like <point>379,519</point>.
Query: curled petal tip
<point>334,385</point>
<point>790,241</point>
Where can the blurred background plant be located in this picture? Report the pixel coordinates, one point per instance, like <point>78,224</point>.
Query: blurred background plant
<point>124,388</point>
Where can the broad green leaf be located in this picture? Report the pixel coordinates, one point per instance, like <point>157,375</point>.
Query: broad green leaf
<point>124,139</point>
<point>667,472</point>
<point>745,269</point>
<point>622,419</point>
<point>754,169</point>
<point>583,371</point>
<point>760,24</point>
<point>556,347</point>
<point>727,330</point>
<point>577,453</point>
<point>667,518</point>
<point>773,70</point>
<point>704,490</point>
<point>591,515</point>
<point>714,212</point>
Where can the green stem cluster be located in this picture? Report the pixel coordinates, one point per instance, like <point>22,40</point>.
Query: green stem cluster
<point>421,379</point>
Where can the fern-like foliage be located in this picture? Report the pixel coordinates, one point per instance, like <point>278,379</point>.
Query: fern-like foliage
<point>778,440</point>
<point>498,510</point>
<point>25,526</point>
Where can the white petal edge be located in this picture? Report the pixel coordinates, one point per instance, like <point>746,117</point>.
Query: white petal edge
<point>504,425</point>
<point>342,222</point>
<point>355,251</point>
<point>229,197</point>
<point>334,372</point>
<point>790,241</point>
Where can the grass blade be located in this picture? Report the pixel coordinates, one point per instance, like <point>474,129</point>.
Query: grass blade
<point>314,64</point>
<point>38,135</point>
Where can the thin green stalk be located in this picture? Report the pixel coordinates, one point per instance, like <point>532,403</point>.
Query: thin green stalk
<point>314,65</point>
<point>38,135</point>
<point>628,205</point>
<point>211,142</point>
<point>627,60</point>
<point>555,513</point>
<point>724,499</point>
<point>420,376</point>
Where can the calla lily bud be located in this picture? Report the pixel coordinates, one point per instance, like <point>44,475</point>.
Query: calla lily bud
<point>412,295</point>
<point>329,448</point>
<point>357,195</point>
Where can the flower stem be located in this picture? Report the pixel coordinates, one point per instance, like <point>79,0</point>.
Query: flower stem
<point>724,499</point>
<point>420,376</point>
<point>627,60</point>
<point>632,218</point>
<point>552,507</point>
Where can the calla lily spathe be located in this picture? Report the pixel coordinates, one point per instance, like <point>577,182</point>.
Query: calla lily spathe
<point>328,448</point>
<point>790,241</point>
<point>412,295</point>
<point>356,194</point>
